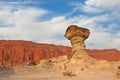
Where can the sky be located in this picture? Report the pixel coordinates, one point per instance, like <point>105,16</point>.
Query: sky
<point>45,21</point>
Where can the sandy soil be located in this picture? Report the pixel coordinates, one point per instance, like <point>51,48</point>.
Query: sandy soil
<point>48,73</point>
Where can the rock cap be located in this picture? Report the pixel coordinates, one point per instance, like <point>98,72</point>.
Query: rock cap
<point>75,31</point>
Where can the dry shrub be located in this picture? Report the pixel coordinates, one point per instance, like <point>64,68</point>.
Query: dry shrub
<point>66,73</point>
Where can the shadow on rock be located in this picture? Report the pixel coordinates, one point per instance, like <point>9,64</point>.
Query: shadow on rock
<point>6,72</point>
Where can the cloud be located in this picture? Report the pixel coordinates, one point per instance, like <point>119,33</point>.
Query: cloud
<point>23,24</point>
<point>85,8</point>
<point>27,23</point>
<point>104,24</point>
<point>16,2</point>
<point>22,19</point>
<point>96,6</point>
<point>103,3</point>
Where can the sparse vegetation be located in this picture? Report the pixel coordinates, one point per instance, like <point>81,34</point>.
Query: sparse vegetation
<point>31,63</point>
<point>66,73</point>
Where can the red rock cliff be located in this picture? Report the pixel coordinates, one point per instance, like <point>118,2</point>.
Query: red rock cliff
<point>17,52</point>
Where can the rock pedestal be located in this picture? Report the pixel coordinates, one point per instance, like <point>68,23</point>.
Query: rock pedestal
<point>81,63</point>
<point>77,36</point>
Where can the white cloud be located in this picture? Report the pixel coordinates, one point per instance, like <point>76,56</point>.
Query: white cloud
<point>101,37</point>
<point>16,2</point>
<point>23,24</point>
<point>96,6</point>
<point>103,3</point>
<point>85,8</point>
<point>91,9</point>
<point>22,19</point>
<point>104,25</point>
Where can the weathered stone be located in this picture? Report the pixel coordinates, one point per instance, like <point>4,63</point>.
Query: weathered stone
<point>18,52</point>
<point>81,62</point>
<point>77,36</point>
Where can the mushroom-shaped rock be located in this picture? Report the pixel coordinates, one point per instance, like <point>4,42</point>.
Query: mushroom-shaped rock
<point>75,31</point>
<point>77,36</point>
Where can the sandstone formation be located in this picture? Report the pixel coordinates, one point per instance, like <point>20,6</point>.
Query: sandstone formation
<point>18,52</point>
<point>77,36</point>
<point>81,63</point>
<point>105,54</point>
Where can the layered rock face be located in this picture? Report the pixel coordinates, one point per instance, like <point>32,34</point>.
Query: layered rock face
<point>81,63</point>
<point>18,52</point>
<point>105,54</point>
<point>77,36</point>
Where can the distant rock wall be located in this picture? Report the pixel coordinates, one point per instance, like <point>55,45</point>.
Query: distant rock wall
<point>18,52</point>
<point>107,54</point>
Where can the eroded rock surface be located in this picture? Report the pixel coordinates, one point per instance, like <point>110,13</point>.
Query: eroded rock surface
<point>77,36</point>
<point>81,62</point>
<point>18,52</point>
<point>80,59</point>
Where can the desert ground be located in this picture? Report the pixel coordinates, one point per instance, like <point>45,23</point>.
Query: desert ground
<point>79,66</point>
<point>50,73</point>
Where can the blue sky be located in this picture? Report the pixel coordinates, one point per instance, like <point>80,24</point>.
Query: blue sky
<point>45,21</point>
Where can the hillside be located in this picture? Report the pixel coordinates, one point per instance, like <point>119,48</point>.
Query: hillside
<point>18,52</point>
